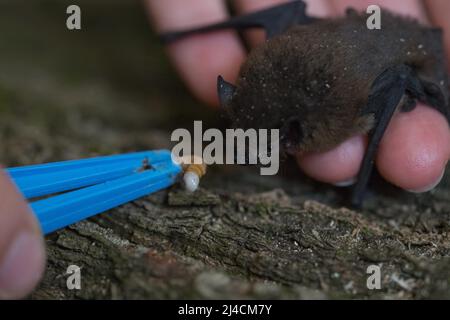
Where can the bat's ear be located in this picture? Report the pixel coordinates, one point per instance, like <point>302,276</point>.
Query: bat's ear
<point>226,92</point>
<point>291,135</point>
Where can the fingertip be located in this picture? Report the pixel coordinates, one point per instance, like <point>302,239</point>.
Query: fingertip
<point>201,58</point>
<point>22,265</point>
<point>415,149</point>
<point>22,251</point>
<point>319,8</point>
<point>256,36</point>
<point>336,166</point>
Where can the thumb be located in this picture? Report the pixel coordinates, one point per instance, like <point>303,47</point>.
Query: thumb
<point>22,253</point>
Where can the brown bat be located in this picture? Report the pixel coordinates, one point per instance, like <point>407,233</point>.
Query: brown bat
<point>321,81</point>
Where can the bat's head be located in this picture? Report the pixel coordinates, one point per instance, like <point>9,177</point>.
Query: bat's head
<point>282,85</point>
<point>252,107</point>
<point>260,105</point>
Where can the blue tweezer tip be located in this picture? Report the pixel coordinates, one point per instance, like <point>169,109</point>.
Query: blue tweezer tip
<point>100,184</point>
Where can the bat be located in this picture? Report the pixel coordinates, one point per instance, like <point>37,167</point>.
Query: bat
<point>321,81</point>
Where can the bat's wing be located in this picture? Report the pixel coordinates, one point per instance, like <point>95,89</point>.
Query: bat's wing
<point>386,94</point>
<point>274,20</point>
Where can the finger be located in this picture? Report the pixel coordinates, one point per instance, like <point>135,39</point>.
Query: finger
<point>22,254</point>
<point>201,58</point>
<point>412,8</point>
<point>438,11</point>
<point>338,166</point>
<point>314,8</point>
<point>255,37</point>
<point>415,149</point>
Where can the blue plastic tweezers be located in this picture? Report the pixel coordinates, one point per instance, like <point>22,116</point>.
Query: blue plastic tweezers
<point>92,185</point>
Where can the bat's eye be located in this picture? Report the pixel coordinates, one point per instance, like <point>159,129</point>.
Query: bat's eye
<point>291,134</point>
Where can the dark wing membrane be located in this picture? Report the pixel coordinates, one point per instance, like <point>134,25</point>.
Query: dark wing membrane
<point>275,20</point>
<point>387,91</point>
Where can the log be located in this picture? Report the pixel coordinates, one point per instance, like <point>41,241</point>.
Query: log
<point>213,244</point>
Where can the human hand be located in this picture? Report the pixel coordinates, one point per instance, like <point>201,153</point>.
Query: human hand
<point>416,146</point>
<point>22,253</point>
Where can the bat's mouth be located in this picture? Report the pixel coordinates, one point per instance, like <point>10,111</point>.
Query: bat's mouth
<point>291,135</point>
<point>288,147</point>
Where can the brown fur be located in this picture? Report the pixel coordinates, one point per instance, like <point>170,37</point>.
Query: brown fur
<point>321,75</point>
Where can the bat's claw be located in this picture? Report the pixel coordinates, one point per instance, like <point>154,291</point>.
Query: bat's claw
<point>356,199</point>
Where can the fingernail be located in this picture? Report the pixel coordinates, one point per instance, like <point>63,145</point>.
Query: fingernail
<point>22,265</point>
<point>431,186</point>
<point>345,183</point>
